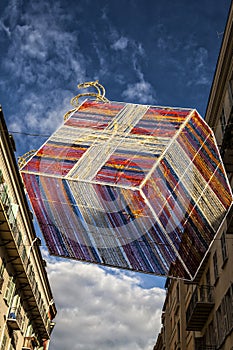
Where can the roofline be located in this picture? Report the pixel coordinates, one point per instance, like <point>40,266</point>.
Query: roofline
<point>221,70</point>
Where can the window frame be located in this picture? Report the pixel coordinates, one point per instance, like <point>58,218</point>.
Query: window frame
<point>215,264</point>
<point>224,248</point>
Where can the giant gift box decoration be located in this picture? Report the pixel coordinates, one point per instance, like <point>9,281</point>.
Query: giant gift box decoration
<point>130,186</point>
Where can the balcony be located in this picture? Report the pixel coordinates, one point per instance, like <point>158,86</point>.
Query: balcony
<point>201,303</point>
<point>14,319</point>
<point>12,239</point>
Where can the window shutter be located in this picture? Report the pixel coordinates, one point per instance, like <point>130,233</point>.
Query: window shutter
<point>2,268</point>
<point>10,289</point>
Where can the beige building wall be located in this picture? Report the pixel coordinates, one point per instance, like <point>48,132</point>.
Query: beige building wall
<point>26,302</point>
<point>200,316</point>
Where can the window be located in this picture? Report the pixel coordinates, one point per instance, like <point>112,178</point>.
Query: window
<point>2,268</point>
<point>228,310</point>
<point>23,324</point>
<point>31,274</point>
<point>231,89</point>
<point>224,247</point>
<point>12,213</point>
<point>9,292</point>
<point>3,194</point>
<point>19,238</point>
<point>223,121</point>
<point>177,292</point>
<point>224,315</point>
<point>231,305</point>
<point>219,324</point>
<point>1,177</point>
<point>224,319</point>
<point>211,335</point>
<point>178,331</point>
<point>23,253</point>
<point>29,330</point>
<point>207,277</point>
<point>215,261</point>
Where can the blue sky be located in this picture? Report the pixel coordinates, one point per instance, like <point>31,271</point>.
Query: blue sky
<point>144,51</point>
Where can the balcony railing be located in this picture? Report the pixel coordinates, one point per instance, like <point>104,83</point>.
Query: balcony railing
<point>201,303</point>
<point>14,319</point>
<point>200,344</point>
<point>12,222</point>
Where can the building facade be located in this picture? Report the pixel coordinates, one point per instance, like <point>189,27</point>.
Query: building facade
<point>199,315</point>
<point>26,302</point>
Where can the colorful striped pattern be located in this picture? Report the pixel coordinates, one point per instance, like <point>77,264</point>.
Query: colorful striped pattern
<point>130,186</point>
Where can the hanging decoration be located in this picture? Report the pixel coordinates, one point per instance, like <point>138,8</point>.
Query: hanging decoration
<point>132,186</point>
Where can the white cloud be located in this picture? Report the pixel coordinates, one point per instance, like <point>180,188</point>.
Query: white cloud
<point>44,58</point>
<point>168,43</point>
<point>101,310</point>
<point>198,60</point>
<point>200,66</point>
<point>142,92</point>
<point>185,58</point>
<point>120,44</point>
<point>5,28</point>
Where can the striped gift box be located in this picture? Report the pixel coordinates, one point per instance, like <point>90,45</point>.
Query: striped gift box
<point>131,186</point>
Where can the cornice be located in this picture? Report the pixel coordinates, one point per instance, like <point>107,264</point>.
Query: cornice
<point>223,73</point>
